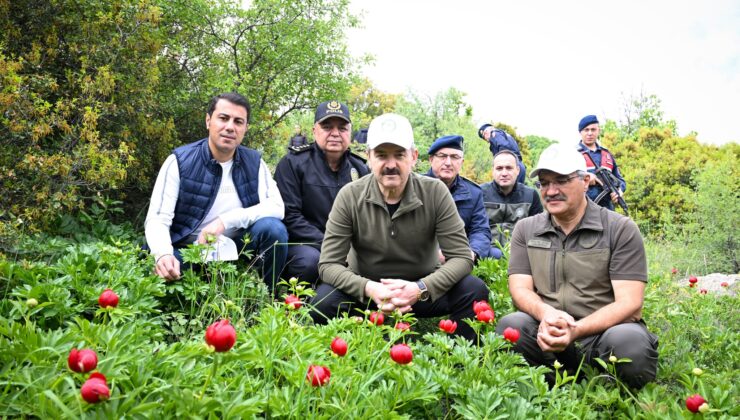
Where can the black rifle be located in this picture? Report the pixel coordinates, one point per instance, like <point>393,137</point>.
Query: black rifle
<point>609,183</point>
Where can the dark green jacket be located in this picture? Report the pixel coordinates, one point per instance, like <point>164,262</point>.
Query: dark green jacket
<point>362,242</point>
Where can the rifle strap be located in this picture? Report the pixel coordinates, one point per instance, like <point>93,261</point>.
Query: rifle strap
<point>607,161</point>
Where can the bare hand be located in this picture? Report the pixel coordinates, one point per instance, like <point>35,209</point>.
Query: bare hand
<point>381,295</point>
<point>167,267</point>
<point>407,293</point>
<point>441,257</point>
<point>615,196</point>
<point>215,228</point>
<point>556,331</point>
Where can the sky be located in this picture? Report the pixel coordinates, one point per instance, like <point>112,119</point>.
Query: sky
<point>542,65</point>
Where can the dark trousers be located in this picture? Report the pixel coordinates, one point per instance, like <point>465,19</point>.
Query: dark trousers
<point>330,302</point>
<point>629,340</point>
<point>303,263</point>
<point>267,244</point>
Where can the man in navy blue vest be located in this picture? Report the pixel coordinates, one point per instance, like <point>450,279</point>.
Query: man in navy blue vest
<point>216,186</point>
<point>309,178</point>
<point>446,160</point>
<point>597,157</point>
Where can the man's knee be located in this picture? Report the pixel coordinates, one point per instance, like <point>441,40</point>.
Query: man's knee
<point>270,230</point>
<point>303,262</point>
<point>476,287</point>
<point>631,341</point>
<point>517,320</point>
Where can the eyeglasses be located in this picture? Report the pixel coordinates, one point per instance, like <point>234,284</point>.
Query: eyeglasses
<point>558,182</point>
<point>443,156</point>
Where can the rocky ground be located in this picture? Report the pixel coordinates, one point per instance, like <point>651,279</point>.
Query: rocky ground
<point>713,283</point>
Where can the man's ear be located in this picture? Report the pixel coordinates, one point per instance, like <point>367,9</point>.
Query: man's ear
<point>208,122</point>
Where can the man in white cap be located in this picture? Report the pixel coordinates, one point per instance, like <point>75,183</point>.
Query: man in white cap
<point>382,239</point>
<point>577,274</point>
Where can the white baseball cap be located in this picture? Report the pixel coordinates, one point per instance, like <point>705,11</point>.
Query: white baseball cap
<point>390,128</point>
<point>561,159</point>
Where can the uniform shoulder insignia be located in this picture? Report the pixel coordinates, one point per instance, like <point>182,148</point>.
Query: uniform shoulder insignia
<point>300,149</point>
<point>469,182</point>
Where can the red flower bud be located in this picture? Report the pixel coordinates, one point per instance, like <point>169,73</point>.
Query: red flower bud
<point>725,284</point>
<point>402,326</point>
<point>694,402</point>
<point>693,280</point>
<point>293,302</point>
<point>511,334</point>
<point>318,375</point>
<point>339,346</point>
<point>674,271</point>
<point>377,318</point>
<point>108,299</point>
<point>481,306</point>
<point>447,325</point>
<point>703,291</point>
<point>95,389</point>
<point>221,335</point>
<point>83,360</point>
<point>401,354</point>
<point>486,316</point>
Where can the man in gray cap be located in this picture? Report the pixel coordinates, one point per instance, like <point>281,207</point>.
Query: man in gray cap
<point>577,274</point>
<point>383,235</point>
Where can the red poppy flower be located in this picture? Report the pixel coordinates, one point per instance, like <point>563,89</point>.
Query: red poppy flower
<point>108,299</point>
<point>486,316</point>
<point>447,325</point>
<point>401,354</point>
<point>694,402</point>
<point>95,389</point>
<point>293,302</point>
<point>339,346</point>
<point>402,326</point>
<point>481,306</point>
<point>318,375</point>
<point>221,335</point>
<point>511,334</point>
<point>376,318</point>
<point>83,360</point>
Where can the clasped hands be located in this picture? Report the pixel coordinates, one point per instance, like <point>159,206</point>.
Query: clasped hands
<point>556,331</point>
<point>392,294</point>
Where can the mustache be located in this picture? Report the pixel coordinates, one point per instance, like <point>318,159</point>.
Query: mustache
<point>390,171</point>
<point>559,197</point>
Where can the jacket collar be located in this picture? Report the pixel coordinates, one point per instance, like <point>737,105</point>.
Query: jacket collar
<point>409,199</point>
<point>591,220</point>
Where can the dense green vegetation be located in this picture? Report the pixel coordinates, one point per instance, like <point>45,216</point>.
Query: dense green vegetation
<point>152,352</point>
<point>94,95</point>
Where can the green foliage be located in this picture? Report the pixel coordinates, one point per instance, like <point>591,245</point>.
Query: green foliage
<point>151,350</point>
<point>77,101</point>
<point>536,145</point>
<point>96,94</point>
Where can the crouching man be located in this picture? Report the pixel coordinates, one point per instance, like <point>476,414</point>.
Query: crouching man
<point>577,274</point>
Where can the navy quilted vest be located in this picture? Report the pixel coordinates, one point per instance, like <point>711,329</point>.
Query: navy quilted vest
<point>200,178</point>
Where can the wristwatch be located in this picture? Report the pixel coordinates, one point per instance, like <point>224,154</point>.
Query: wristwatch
<point>423,291</point>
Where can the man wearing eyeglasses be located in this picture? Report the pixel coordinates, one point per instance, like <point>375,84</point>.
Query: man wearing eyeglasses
<point>309,178</point>
<point>577,274</point>
<point>507,201</point>
<point>446,159</point>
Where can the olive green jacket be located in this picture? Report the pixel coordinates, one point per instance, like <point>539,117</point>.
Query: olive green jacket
<point>362,242</point>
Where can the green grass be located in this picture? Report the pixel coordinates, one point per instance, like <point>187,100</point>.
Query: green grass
<point>151,348</point>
